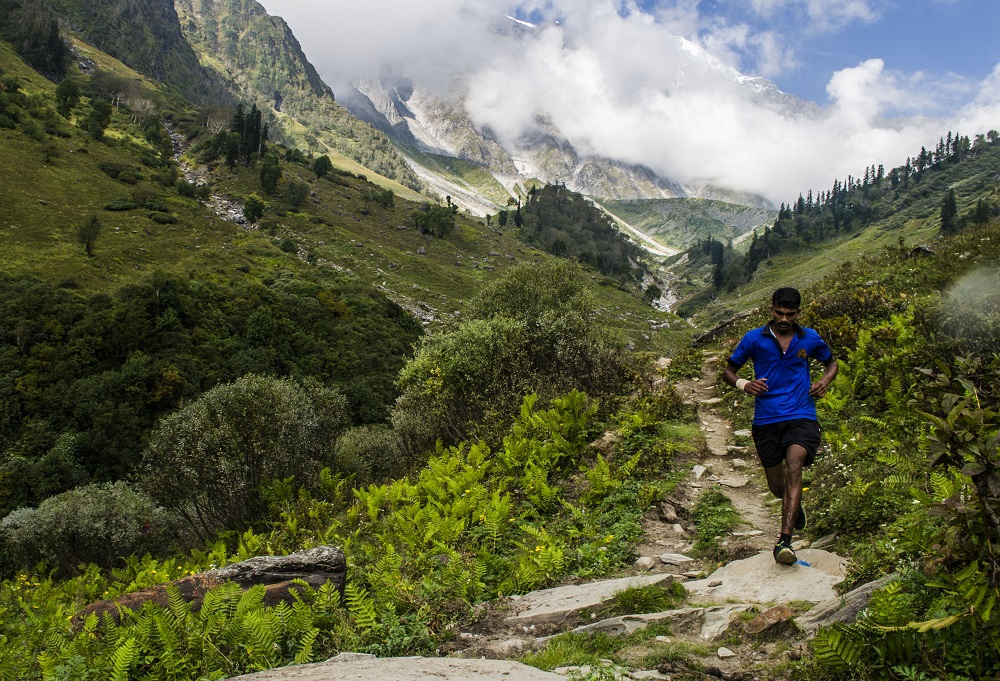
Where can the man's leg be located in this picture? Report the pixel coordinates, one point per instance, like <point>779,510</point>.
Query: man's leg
<point>792,493</point>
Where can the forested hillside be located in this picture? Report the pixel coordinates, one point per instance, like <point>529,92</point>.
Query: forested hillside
<point>934,193</point>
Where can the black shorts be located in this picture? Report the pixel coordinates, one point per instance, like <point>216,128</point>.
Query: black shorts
<point>773,439</point>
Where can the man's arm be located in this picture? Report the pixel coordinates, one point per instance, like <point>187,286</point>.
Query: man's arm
<point>758,386</point>
<point>818,389</point>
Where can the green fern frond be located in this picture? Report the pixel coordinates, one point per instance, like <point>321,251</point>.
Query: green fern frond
<point>304,651</point>
<point>875,421</point>
<point>361,606</point>
<point>125,657</point>
<point>836,648</point>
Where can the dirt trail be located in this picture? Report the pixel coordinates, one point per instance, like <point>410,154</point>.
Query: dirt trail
<point>730,462</point>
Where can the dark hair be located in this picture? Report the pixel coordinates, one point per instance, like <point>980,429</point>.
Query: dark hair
<point>787,297</point>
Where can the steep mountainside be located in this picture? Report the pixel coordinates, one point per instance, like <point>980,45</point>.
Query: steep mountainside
<point>146,35</point>
<point>262,61</point>
<point>439,124</point>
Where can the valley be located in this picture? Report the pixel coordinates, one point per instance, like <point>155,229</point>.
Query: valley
<point>244,320</point>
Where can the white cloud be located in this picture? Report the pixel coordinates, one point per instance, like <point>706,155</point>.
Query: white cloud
<point>621,84</point>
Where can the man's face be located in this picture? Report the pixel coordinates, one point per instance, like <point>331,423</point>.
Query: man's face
<point>784,317</point>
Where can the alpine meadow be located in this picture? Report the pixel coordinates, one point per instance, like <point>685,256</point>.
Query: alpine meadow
<point>292,377</point>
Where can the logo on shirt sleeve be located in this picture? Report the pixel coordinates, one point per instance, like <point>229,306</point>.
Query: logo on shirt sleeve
<point>801,354</point>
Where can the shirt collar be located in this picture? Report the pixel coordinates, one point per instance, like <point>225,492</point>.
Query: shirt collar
<point>799,331</point>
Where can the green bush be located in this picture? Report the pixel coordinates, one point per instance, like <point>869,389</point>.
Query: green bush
<point>100,524</point>
<point>121,205</point>
<point>209,460</point>
<point>162,218</point>
<point>531,331</point>
<point>371,454</point>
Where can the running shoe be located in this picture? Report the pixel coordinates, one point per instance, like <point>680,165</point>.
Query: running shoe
<point>784,554</point>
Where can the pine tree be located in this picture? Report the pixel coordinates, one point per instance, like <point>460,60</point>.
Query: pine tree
<point>949,213</point>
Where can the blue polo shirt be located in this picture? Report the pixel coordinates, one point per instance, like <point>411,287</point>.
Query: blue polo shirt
<point>787,373</point>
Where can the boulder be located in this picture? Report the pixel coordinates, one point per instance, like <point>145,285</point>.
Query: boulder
<point>768,619</point>
<point>276,573</point>
<point>840,609</point>
<point>759,579</point>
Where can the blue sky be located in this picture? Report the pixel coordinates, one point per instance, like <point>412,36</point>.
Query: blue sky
<point>652,82</point>
<point>937,38</point>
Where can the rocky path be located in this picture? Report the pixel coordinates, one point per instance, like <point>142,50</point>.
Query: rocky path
<point>745,617</point>
<point>223,207</point>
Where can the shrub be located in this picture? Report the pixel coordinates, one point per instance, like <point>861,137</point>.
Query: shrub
<point>120,205</point>
<point>162,218</point>
<point>371,454</point>
<point>98,524</point>
<point>532,331</point>
<point>209,460</point>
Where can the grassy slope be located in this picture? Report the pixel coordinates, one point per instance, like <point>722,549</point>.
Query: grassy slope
<point>678,223</point>
<point>331,227</point>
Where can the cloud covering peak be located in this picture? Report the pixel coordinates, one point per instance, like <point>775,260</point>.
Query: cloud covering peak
<point>652,83</point>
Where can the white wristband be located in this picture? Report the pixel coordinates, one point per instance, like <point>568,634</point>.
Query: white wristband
<point>741,383</point>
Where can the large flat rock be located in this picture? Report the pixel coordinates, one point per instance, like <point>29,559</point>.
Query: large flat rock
<point>356,667</point>
<point>551,606</point>
<point>760,580</point>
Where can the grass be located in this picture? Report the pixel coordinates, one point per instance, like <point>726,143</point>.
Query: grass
<point>713,516</point>
<point>643,599</point>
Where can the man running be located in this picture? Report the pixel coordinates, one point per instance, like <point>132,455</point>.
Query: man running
<point>785,431</point>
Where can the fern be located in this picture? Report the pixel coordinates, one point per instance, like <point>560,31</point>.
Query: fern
<point>837,648</point>
<point>361,607</point>
<point>124,658</point>
<point>304,651</point>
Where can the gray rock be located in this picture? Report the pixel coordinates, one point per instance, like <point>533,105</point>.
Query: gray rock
<point>725,653</point>
<point>824,542</point>
<point>675,559</point>
<point>554,605</point>
<point>668,512</point>
<point>742,433</point>
<point>645,563</point>
<point>840,608</point>
<point>734,481</point>
<point>718,619</point>
<point>760,580</point>
<point>699,471</point>
<point>355,667</point>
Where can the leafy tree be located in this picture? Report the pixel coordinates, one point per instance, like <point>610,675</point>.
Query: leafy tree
<point>100,524</point>
<point>87,234</point>
<point>531,331</point>
<point>502,218</point>
<point>67,96</point>
<point>322,166</point>
<point>99,118</point>
<point>296,192</point>
<point>270,174</point>
<point>209,460</point>
<point>433,219</point>
<point>253,209</point>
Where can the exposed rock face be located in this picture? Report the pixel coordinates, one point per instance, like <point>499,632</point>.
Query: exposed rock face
<point>440,124</point>
<point>276,573</point>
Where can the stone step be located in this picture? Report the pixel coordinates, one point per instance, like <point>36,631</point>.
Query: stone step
<point>551,606</point>
<point>759,579</point>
